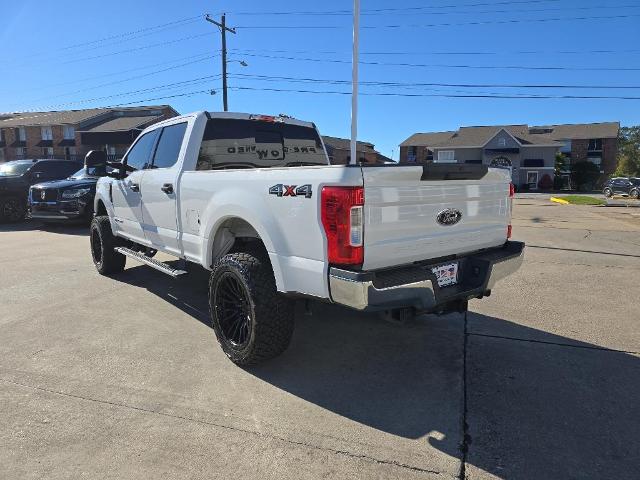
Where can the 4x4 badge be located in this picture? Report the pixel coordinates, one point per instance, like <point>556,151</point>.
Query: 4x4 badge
<point>291,190</point>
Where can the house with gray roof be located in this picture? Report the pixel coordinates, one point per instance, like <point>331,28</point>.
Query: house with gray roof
<point>528,152</point>
<point>70,134</point>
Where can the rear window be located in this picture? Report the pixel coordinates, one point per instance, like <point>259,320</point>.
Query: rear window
<point>233,143</point>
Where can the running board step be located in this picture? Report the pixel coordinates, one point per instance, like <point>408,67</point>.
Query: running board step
<point>142,258</point>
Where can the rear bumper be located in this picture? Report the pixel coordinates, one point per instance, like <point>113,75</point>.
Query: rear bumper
<point>416,286</point>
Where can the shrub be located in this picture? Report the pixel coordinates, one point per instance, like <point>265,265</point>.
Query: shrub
<point>545,182</point>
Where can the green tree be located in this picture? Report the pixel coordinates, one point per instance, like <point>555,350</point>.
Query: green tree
<point>560,167</point>
<point>628,152</point>
<point>584,175</point>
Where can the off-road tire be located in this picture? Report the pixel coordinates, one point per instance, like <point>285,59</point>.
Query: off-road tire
<point>12,209</point>
<point>634,193</point>
<point>607,192</point>
<point>102,242</point>
<point>271,315</point>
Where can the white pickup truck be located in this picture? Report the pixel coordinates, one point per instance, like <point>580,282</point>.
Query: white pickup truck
<point>255,200</point>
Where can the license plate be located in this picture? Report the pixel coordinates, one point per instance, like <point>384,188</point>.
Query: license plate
<point>446,274</point>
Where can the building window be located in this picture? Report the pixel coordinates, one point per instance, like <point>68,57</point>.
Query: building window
<point>68,132</point>
<point>566,146</point>
<point>502,142</point>
<point>47,152</point>
<point>47,133</point>
<point>532,180</point>
<point>595,144</point>
<point>21,152</point>
<point>412,153</point>
<point>21,134</point>
<point>447,156</point>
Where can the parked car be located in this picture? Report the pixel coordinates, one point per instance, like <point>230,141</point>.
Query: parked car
<point>70,199</point>
<point>622,186</point>
<point>17,176</point>
<point>254,199</point>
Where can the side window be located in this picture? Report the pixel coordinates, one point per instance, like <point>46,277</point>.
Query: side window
<point>139,157</point>
<point>169,145</point>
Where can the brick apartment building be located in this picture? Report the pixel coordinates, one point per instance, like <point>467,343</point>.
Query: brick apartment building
<point>339,151</point>
<point>71,134</point>
<point>529,152</point>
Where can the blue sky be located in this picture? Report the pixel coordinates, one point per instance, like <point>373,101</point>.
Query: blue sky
<point>45,68</point>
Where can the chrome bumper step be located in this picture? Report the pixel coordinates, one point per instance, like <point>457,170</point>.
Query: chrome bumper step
<point>142,258</point>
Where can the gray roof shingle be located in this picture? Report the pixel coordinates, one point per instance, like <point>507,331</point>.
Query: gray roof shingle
<point>120,124</point>
<point>70,117</point>
<point>539,135</point>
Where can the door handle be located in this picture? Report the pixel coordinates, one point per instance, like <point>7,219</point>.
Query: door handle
<point>167,188</point>
<point>134,187</point>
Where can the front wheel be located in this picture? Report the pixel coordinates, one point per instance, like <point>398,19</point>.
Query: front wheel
<point>12,209</point>
<point>103,242</point>
<point>607,192</point>
<point>634,193</point>
<point>251,320</point>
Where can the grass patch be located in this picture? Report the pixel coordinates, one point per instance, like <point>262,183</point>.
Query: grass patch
<point>583,200</point>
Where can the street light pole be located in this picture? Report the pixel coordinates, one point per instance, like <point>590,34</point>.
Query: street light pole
<point>354,82</point>
<point>223,30</point>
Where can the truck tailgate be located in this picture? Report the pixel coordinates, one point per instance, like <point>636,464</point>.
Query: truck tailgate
<point>402,205</point>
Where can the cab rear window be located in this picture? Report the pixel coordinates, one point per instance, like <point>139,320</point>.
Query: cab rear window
<point>234,143</point>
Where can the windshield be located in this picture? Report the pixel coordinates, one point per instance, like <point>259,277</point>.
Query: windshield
<point>635,181</point>
<point>14,169</point>
<point>90,172</point>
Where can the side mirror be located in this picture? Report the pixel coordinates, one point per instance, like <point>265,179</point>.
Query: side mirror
<point>96,159</point>
<point>116,170</point>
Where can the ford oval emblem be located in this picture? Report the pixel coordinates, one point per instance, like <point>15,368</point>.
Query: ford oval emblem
<point>450,216</point>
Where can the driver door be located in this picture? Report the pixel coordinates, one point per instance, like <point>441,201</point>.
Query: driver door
<point>127,204</point>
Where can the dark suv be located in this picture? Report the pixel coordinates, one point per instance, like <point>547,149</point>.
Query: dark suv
<point>17,176</point>
<point>622,186</point>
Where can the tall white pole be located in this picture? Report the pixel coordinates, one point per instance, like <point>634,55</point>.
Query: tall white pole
<point>354,82</point>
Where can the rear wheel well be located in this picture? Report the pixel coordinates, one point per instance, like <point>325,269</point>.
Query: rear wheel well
<point>237,235</point>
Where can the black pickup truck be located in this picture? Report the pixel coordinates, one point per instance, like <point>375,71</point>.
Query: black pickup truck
<point>17,176</point>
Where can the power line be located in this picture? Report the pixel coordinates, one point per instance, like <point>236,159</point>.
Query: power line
<point>435,65</point>
<point>137,49</point>
<point>436,84</point>
<point>207,57</point>
<point>128,70</point>
<point>366,11</point>
<point>180,84</point>
<point>150,30</point>
<point>448,53</point>
<point>433,25</point>
<point>457,11</point>
<point>389,94</point>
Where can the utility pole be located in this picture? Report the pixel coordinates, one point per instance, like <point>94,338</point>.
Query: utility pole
<point>223,30</point>
<point>354,82</point>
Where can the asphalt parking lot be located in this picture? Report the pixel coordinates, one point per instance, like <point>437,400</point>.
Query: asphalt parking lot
<point>122,377</point>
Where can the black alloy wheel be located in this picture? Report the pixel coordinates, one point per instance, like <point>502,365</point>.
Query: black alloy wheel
<point>12,210</point>
<point>96,246</point>
<point>233,309</point>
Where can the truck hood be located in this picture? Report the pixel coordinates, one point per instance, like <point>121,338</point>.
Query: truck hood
<point>68,183</point>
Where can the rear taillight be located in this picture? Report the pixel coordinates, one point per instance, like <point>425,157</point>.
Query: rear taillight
<point>512,190</point>
<point>509,231</point>
<point>342,219</point>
